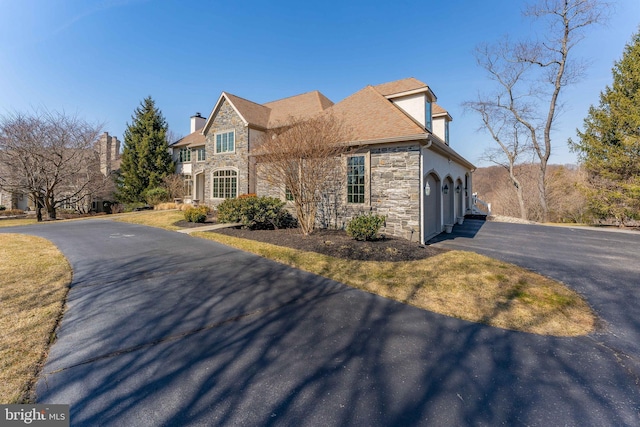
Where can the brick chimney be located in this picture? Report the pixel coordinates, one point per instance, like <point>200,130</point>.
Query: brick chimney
<point>197,122</point>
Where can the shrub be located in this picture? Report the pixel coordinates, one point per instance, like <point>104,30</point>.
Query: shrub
<point>133,207</point>
<point>165,206</point>
<point>365,226</point>
<point>2,208</point>
<point>255,212</point>
<point>11,212</point>
<point>196,214</point>
<point>157,195</point>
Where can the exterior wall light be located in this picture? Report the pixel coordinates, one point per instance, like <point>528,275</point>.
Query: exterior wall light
<point>427,189</point>
<point>458,189</point>
<point>445,189</point>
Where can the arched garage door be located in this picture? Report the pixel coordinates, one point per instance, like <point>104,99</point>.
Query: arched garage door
<point>448,194</point>
<point>431,194</point>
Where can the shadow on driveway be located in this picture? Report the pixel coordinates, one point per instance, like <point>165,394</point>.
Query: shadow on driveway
<point>469,228</point>
<point>165,329</point>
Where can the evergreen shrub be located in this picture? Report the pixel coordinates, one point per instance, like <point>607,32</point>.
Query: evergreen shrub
<point>156,195</point>
<point>365,226</point>
<point>196,214</point>
<point>263,213</point>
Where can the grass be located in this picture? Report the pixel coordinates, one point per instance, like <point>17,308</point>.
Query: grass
<point>161,219</point>
<point>456,283</point>
<point>18,221</point>
<point>35,283</point>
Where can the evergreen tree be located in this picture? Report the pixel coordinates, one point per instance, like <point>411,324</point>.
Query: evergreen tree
<point>145,158</point>
<point>609,146</point>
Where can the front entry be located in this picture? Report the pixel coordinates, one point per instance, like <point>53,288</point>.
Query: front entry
<point>200,187</point>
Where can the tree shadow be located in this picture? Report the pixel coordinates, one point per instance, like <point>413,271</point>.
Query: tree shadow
<point>468,229</point>
<point>190,332</point>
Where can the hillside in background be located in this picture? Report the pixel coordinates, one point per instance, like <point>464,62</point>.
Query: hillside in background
<point>566,201</point>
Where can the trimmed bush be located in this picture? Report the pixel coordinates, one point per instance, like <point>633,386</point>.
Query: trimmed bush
<point>196,214</point>
<point>263,213</point>
<point>157,195</point>
<point>11,212</point>
<point>2,208</point>
<point>365,226</point>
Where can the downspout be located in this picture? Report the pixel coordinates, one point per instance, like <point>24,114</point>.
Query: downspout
<point>422,196</point>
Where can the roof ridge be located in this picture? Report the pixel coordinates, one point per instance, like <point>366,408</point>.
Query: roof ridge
<point>293,96</point>
<point>245,99</point>
<point>400,111</point>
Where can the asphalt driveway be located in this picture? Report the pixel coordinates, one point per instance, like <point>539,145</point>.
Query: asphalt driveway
<point>165,329</point>
<point>603,265</point>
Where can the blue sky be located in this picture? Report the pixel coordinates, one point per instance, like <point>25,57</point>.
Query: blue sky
<point>100,58</point>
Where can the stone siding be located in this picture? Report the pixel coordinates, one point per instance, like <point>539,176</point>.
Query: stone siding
<point>393,190</point>
<point>227,120</point>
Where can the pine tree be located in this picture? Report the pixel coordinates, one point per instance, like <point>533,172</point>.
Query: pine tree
<point>145,158</point>
<point>609,146</point>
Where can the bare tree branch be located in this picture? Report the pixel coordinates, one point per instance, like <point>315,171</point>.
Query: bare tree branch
<point>530,75</point>
<point>50,157</point>
<point>303,157</point>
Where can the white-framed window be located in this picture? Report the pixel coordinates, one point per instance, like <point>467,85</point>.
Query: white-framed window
<point>225,142</point>
<point>356,179</point>
<point>428,115</point>
<point>201,154</point>
<point>224,184</point>
<point>185,155</point>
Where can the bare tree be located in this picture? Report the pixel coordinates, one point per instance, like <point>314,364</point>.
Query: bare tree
<point>50,157</point>
<point>530,75</point>
<point>175,186</point>
<point>303,157</point>
<point>507,133</point>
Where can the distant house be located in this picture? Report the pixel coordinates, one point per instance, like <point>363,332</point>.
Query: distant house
<point>103,158</point>
<point>409,172</point>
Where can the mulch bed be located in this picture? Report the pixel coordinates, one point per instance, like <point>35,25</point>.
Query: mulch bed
<point>186,224</point>
<point>337,244</point>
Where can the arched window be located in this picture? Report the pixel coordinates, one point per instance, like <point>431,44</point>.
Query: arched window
<point>224,184</point>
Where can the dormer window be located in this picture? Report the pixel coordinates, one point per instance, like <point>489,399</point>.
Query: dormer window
<point>446,131</point>
<point>428,119</point>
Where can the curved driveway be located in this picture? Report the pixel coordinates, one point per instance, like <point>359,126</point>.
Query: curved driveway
<point>603,265</point>
<point>166,329</point>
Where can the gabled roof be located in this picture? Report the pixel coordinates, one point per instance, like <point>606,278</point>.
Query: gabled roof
<point>304,105</point>
<point>253,113</point>
<point>404,87</point>
<point>370,116</point>
<point>438,111</point>
<point>399,86</point>
<point>274,113</point>
<point>192,140</point>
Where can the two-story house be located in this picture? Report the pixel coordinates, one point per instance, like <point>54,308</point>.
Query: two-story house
<point>402,160</point>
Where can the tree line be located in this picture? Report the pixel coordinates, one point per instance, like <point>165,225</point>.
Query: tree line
<point>520,108</point>
<point>53,159</point>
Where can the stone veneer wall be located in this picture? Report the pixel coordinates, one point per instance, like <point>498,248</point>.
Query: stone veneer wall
<point>226,120</point>
<point>393,190</point>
